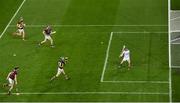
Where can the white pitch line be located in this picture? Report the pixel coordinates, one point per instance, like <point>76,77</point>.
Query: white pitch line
<point>107,55</point>
<point>140,32</point>
<point>90,93</point>
<point>94,25</point>
<point>169,50</point>
<point>155,82</point>
<point>12,18</point>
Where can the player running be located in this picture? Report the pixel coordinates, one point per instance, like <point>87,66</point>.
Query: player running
<point>61,64</point>
<point>126,56</point>
<point>20,29</point>
<point>47,35</point>
<point>12,79</point>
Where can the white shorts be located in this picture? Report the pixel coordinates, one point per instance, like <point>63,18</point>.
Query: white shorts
<point>47,37</point>
<point>126,59</point>
<point>21,31</point>
<point>11,82</point>
<point>60,71</point>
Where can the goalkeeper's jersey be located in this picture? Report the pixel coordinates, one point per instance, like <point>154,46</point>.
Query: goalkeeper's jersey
<point>126,53</point>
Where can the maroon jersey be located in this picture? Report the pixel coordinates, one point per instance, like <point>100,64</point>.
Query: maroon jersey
<point>20,25</point>
<point>13,74</point>
<point>48,31</point>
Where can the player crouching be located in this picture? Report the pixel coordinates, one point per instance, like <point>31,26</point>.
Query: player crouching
<point>20,26</point>
<point>61,63</point>
<point>12,79</point>
<point>47,35</point>
<point>126,56</point>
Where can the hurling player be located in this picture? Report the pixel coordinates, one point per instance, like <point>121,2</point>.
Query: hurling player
<point>20,26</point>
<point>61,64</point>
<point>126,56</point>
<point>12,79</point>
<point>47,35</point>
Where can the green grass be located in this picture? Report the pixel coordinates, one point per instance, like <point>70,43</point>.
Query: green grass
<point>175,5</point>
<point>86,54</point>
<point>9,7</point>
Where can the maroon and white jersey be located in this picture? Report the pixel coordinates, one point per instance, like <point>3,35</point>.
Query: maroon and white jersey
<point>13,74</point>
<point>48,31</point>
<point>20,25</point>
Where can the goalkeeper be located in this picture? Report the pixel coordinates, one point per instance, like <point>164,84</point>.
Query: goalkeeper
<point>125,54</point>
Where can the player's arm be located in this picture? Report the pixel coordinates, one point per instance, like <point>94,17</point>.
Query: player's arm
<point>15,79</point>
<point>24,24</point>
<point>53,32</point>
<point>122,51</point>
<point>44,32</point>
<point>18,26</point>
<point>8,75</point>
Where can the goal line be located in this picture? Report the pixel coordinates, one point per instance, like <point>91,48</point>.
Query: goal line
<point>91,93</point>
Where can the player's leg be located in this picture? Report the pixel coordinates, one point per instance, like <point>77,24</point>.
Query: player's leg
<point>54,77</point>
<point>122,61</point>
<point>42,42</point>
<point>129,64</point>
<point>11,85</point>
<point>17,33</point>
<point>23,34</point>
<point>51,41</point>
<point>66,77</point>
<point>57,75</point>
<point>8,84</point>
<point>10,89</point>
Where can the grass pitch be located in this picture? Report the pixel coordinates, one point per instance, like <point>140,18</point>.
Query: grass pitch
<point>81,26</point>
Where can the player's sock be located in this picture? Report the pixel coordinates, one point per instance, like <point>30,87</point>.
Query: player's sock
<point>52,46</point>
<point>9,92</point>
<point>41,42</point>
<point>53,78</point>
<point>15,33</point>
